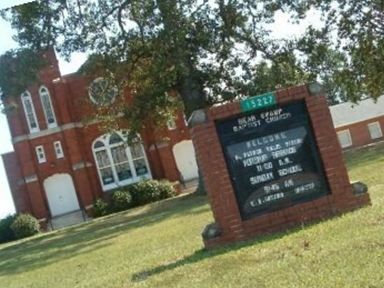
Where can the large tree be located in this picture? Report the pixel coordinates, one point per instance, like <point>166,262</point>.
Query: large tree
<point>201,51</point>
<point>193,53</point>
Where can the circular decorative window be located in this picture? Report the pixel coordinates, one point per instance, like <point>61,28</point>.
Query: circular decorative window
<point>102,92</point>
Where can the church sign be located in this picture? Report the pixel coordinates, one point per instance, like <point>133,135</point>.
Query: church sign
<point>270,162</point>
<point>272,158</point>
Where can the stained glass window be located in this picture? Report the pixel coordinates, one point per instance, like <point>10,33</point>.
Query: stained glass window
<point>118,163</point>
<point>47,107</point>
<point>29,111</point>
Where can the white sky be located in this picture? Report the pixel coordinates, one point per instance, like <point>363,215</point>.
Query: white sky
<point>281,29</point>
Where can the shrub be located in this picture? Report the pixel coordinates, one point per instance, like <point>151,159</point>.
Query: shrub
<point>25,225</point>
<point>150,191</point>
<point>121,200</point>
<point>6,233</point>
<point>100,208</point>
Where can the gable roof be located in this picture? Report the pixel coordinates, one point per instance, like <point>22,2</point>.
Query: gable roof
<point>348,113</point>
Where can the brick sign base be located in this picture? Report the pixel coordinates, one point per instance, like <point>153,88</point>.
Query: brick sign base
<point>231,222</point>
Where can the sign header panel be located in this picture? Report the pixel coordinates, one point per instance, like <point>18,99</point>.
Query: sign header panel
<point>258,102</point>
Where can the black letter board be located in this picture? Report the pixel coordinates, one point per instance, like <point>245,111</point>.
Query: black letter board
<point>272,159</point>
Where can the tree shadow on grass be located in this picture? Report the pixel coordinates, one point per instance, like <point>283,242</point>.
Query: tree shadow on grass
<point>203,254</point>
<point>60,245</point>
<point>363,156</point>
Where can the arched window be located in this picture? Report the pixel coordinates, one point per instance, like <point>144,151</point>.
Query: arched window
<point>29,111</point>
<point>119,164</point>
<point>102,92</point>
<point>47,107</point>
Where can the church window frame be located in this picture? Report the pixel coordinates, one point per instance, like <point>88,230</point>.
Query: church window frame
<point>46,103</point>
<point>29,112</point>
<point>119,164</point>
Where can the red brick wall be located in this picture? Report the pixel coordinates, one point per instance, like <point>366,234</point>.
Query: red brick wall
<point>69,97</point>
<point>14,175</point>
<point>219,187</point>
<point>16,119</point>
<point>360,132</point>
<point>38,200</point>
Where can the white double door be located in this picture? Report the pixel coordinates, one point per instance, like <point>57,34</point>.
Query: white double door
<point>61,194</point>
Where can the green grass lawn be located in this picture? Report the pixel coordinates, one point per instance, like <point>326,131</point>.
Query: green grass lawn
<point>160,246</point>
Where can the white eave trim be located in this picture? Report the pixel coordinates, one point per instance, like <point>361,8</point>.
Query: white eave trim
<point>345,125</point>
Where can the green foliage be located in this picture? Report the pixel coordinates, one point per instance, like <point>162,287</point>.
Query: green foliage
<point>100,208</point>
<point>6,233</point>
<point>121,200</point>
<point>18,70</point>
<point>196,50</point>
<point>137,194</point>
<point>356,31</point>
<point>36,29</point>
<point>149,191</point>
<point>25,225</point>
<point>360,29</point>
<point>203,52</point>
<point>283,71</point>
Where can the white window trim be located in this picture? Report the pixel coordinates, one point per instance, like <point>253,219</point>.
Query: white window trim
<point>49,125</point>
<point>27,95</point>
<point>93,97</point>
<point>375,124</point>
<point>40,154</point>
<point>56,146</point>
<point>107,147</point>
<point>171,123</point>
<point>348,133</point>
<point>185,120</point>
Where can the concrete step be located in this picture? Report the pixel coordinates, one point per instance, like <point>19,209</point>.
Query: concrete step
<point>69,219</point>
<point>190,186</point>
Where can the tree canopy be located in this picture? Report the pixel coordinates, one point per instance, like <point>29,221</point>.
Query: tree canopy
<point>207,51</point>
<point>357,32</point>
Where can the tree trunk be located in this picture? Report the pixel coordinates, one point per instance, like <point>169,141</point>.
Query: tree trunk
<point>193,98</point>
<point>192,94</point>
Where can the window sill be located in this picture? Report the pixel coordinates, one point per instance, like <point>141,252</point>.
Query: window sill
<point>114,186</point>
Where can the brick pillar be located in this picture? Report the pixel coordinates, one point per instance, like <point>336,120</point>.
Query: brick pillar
<point>168,161</point>
<point>79,165</point>
<point>61,91</point>
<point>336,197</point>
<point>30,176</point>
<point>15,120</point>
<point>83,186</point>
<point>38,204</point>
<point>155,162</point>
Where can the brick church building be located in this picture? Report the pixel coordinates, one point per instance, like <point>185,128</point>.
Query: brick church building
<point>359,124</point>
<point>60,165</point>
